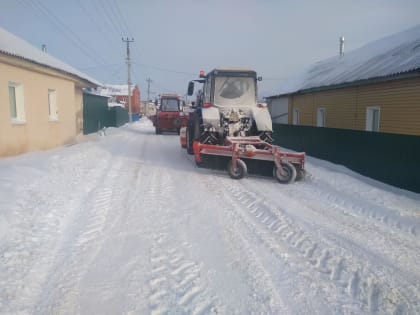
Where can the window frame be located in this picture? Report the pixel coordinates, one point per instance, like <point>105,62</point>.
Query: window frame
<point>318,112</point>
<point>296,117</point>
<point>52,105</point>
<point>19,103</point>
<point>370,118</point>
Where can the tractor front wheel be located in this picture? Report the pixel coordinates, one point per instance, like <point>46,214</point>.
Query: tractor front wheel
<point>289,173</point>
<point>240,171</point>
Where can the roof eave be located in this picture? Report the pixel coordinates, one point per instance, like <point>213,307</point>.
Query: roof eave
<point>84,82</point>
<point>392,77</point>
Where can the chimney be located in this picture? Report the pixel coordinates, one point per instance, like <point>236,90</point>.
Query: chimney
<point>44,48</point>
<point>341,46</point>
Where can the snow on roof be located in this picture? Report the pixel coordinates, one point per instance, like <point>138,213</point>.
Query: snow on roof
<point>392,55</point>
<point>114,89</point>
<point>229,68</point>
<point>115,104</point>
<point>17,47</point>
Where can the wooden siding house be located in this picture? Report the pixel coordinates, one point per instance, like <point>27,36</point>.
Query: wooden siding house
<point>40,98</point>
<point>373,88</point>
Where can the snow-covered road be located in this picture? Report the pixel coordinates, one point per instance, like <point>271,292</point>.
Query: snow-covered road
<point>127,224</point>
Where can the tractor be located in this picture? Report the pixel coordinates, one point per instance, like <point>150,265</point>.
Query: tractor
<point>228,122</point>
<point>169,114</point>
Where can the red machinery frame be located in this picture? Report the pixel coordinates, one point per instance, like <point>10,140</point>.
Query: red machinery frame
<point>250,148</point>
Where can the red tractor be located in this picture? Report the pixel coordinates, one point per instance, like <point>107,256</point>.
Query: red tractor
<point>169,114</point>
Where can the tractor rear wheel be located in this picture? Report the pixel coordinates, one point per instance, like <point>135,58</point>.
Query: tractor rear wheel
<point>289,173</point>
<point>241,169</point>
<point>189,139</point>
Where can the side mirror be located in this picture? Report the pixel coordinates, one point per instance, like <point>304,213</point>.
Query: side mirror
<point>190,88</point>
<point>259,78</point>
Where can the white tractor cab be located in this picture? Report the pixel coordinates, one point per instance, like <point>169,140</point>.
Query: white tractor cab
<point>227,106</point>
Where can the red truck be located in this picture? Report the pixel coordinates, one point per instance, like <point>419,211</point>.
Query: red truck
<point>170,115</point>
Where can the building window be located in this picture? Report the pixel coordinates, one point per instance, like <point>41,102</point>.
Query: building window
<point>296,119</point>
<point>373,117</point>
<point>320,117</point>
<point>52,105</point>
<point>16,102</point>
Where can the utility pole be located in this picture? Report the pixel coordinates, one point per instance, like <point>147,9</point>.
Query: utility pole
<point>148,92</point>
<point>128,41</point>
<point>148,88</point>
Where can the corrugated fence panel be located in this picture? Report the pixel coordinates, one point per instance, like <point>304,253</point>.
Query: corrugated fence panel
<point>95,113</point>
<point>119,116</point>
<point>390,158</point>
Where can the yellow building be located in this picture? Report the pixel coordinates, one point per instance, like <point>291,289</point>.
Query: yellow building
<point>373,88</point>
<point>40,98</point>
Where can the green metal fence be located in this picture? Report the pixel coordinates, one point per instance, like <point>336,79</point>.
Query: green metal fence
<point>389,158</point>
<point>97,114</point>
<point>119,116</point>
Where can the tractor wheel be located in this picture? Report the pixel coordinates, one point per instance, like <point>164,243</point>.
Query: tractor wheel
<point>289,173</point>
<point>190,149</point>
<point>241,169</point>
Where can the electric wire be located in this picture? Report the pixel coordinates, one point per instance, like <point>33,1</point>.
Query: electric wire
<point>66,31</point>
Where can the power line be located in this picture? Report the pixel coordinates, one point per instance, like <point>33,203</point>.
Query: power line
<point>110,16</point>
<point>93,19</point>
<point>65,30</point>
<point>102,66</point>
<point>119,17</point>
<point>274,79</point>
<point>163,88</point>
<point>100,9</point>
<point>164,69</point>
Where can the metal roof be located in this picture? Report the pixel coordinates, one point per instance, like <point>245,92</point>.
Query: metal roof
<point>387,57</point>
<point>14,46</point>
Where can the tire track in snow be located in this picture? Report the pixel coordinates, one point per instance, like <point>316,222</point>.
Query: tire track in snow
<point>176,284</point>
<point>264,296</point>
<point>355,277</point>
<point>383,243</point>
<point>388,244</point>
<point>41,231</point>
<point>61,292</point>
<point>391,214</point>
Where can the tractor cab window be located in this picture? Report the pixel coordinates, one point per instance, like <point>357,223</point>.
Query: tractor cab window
<point>169,105</point>
<point>234,91</point>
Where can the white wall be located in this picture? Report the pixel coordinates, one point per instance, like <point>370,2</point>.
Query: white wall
<point>279,108</point>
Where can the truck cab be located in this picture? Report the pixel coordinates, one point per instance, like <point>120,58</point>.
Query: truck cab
<point>169,114</point>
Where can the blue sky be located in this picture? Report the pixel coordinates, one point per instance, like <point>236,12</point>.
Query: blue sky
<point>175,39</point>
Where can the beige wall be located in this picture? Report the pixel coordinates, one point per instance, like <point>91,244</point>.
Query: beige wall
<point>38,132</point>
<point>399,103</point>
